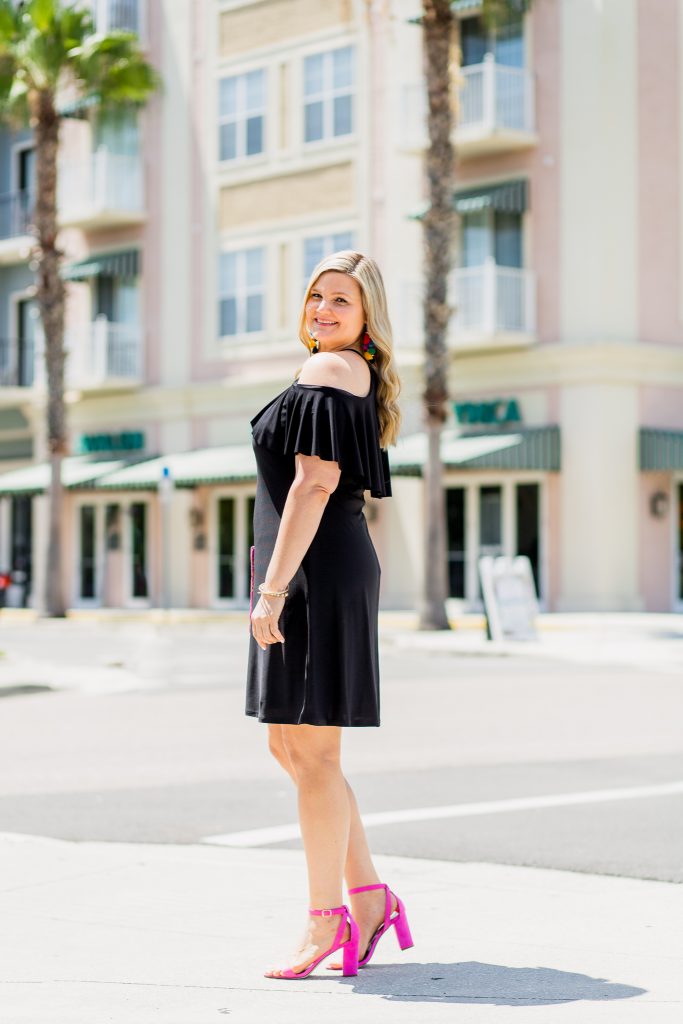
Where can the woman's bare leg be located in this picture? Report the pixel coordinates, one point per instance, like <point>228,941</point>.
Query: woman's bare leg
<point>324,816</point>
<point>367,908</point>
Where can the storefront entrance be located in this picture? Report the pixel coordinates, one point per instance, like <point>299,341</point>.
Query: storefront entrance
<point>112,549</point>
<point>492,518</point>
<point>235,534</point>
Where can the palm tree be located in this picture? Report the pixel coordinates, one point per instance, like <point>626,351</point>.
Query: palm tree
<point>441,59</point>
<point>46,47</point>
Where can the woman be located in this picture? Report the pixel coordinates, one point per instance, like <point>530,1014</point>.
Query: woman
<point>313,651</point>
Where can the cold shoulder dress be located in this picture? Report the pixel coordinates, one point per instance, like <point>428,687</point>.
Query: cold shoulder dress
<point>327,670</point>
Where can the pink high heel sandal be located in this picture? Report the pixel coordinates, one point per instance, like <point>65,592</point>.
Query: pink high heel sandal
<point>400,922</point>
<point>350,946</point>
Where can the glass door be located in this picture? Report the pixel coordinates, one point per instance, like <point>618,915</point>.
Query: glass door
<point>679,535</point>
<point>138,550</point>
<point>455,533</point>
<point>21,532</point>
<point>226,547</point>
<point>87,550</point>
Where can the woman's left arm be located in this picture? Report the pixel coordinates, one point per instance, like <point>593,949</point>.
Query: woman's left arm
<point>314,481</point>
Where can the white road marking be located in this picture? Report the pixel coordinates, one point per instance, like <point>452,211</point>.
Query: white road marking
<point>281,833</point>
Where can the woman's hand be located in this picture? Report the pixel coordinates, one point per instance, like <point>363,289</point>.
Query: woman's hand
<point>264,620</point>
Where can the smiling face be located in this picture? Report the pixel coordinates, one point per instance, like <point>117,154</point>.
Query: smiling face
<point>334,310</point>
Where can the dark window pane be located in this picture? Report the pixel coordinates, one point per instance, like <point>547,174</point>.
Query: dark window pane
<point>490,520</point>
<point>226,547</point>
<point>313,115</point>
<point>21,532</point>
<point>87,560</point>
<point>528,526</point>
<point>455,532</point>
<point>342,115</point>
<point>508,239</point>
<point>473,40</point>
<point>138,520</point>
<point>509,43</point>
<point>254,135</point>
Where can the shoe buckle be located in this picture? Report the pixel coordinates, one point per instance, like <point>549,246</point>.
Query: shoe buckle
<point>326,913</point>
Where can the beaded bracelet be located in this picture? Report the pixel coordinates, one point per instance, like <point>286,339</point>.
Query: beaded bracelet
<point>272,593</point>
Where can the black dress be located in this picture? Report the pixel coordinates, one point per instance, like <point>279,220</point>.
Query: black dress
<point>327,670</point>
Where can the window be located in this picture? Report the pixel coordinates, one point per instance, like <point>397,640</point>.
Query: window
<point>320,246</point>
<point>241,292</point>
<point>491,234</point>
<point>506,42</point>
<point>328,94</point>
<point>241,115</point>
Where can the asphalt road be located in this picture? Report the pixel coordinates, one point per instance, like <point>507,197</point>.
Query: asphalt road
<point>151,744</point>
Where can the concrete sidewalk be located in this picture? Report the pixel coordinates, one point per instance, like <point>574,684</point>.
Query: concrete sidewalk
<point>135,934</point>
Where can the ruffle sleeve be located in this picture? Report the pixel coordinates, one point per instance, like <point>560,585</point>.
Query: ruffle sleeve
<point>315,419</point>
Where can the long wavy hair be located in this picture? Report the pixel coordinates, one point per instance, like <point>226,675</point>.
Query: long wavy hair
<point>366,272</point>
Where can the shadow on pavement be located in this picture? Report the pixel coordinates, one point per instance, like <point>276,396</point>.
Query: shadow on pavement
<point>478,983</point>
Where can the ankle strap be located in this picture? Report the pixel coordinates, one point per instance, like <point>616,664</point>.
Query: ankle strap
<point>367,888</point>
<point>330,913</point>
<point>387,898</point>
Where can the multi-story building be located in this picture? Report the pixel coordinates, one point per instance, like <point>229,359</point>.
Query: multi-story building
<point>288,129</point>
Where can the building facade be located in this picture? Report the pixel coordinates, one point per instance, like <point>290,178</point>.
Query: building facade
<point>288,129</point>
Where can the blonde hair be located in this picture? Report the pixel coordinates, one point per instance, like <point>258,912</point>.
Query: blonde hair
<point>366,272</point>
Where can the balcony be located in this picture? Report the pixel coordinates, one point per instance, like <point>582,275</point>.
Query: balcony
<point>16,209</point>
<point>104,356</point>
<point>103,191</point>
<point>119,15</point>
<point>496,111</point>
<point>495,306</point>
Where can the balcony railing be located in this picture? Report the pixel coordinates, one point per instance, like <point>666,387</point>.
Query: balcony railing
<point>492,300</point>
<point>105,188</point>
<point>116,15</point>
<point>104,353</point>
<point>495,97</point>
<point>496,110</point>
<point>16,210</point>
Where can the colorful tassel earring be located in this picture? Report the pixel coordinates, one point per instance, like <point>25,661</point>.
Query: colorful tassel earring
<point>315,344</point>
<point>369,347</point>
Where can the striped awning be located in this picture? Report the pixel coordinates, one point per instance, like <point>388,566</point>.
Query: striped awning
<point>77,471</point>
<point>508,197</point>
<point>229,464</point>
<point>661,449</point>
<point>125,263</point>
<point>532,448</point>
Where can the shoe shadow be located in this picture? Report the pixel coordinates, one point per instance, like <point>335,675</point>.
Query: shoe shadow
<point>480,984</point>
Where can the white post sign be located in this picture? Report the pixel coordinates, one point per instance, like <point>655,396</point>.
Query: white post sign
<point>510,599</point>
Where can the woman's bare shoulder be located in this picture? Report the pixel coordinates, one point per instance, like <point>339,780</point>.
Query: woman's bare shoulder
<point>337,370</point>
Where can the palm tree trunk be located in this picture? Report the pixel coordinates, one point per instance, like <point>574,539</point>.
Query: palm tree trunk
<point>437,28</point>
<point>50,299</point>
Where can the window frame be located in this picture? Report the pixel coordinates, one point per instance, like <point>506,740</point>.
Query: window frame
<point>242,293</point>
<point>242,116</point>
<point>328,94</point>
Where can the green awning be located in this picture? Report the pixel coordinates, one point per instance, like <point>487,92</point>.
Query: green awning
<point>508,197</point>
<point>661,449</point>
<point>77,471</point>
<point>112,264</point>
<point>535,448</point>
<point>229,464</point>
